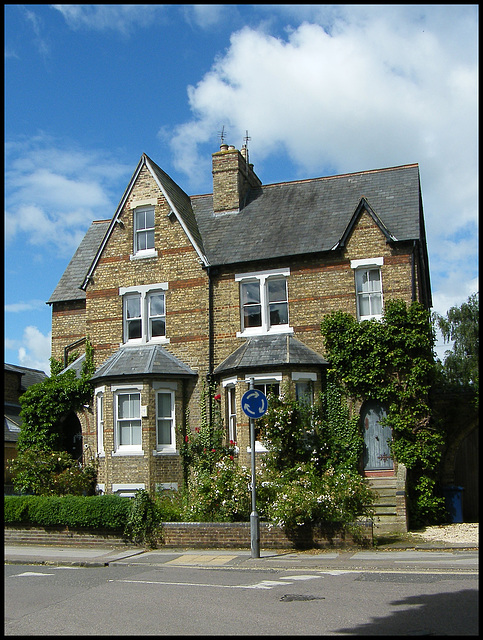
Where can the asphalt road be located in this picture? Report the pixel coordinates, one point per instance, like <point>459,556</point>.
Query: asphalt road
<point>408,593</point>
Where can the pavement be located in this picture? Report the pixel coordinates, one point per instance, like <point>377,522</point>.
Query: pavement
<point>70,555</point>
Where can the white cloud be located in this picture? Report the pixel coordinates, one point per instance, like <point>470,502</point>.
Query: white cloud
<point>357,88</point>
<point>20,307</point>
<point>122,18</point>
<point>35,350</point>
<point>53,192</point>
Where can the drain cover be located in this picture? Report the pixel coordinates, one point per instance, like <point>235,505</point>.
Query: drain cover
<point>293,597</point>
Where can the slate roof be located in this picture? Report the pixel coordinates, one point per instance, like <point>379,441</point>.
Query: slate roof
<point>29,376</point>
<point>181,202</point>
<point>310,216</point>
<point>69,285</point>
<point>271,351</point>
<point>278,220</point>
<point>143,360</point>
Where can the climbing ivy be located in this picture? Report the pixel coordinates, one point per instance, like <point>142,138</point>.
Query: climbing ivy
<point>41,467</point>
<point>392,361</point>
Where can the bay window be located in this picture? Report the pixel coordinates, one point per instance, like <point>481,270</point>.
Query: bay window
<point>127,420</point>
<point>165,421</point>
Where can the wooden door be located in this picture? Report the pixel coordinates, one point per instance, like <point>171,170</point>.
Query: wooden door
<point>377,452</point>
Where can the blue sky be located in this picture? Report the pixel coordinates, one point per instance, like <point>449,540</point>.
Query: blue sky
<point>321,90</point>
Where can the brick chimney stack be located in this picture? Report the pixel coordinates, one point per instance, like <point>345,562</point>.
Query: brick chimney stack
<point>232,178</point>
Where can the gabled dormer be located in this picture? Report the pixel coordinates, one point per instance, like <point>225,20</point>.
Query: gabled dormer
<point>143,216</point>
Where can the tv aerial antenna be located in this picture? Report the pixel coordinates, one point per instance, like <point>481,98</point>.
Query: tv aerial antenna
<point>222,135</point>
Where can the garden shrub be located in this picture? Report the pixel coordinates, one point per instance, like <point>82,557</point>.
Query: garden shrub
<point>98,512</point>
<point>143,523</point>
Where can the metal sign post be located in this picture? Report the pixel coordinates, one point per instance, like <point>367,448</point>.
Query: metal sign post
<point>254,405</point>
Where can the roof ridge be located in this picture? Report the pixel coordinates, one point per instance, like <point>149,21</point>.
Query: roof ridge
<point>340,175</point>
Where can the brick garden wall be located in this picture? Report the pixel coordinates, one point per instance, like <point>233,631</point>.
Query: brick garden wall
<point>207,535</point>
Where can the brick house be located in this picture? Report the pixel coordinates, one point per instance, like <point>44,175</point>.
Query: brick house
<point>175,289</point>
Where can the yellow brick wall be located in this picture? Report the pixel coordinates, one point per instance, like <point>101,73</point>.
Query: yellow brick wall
<point>176,264</point>
<point>68,325</point>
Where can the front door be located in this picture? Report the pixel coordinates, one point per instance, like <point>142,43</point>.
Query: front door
<point>377,452</point>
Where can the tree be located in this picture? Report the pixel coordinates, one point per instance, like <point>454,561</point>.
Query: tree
<point>41,466</point>
<point>460,325</point>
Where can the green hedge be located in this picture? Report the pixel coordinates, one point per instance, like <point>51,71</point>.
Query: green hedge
<point>93,512</point>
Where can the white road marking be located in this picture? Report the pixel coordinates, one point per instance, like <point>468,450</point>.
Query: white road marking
<point>27,574</point>
<point>264,584</point>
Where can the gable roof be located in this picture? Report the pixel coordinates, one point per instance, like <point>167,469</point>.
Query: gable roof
<point>278,220</point>
<point>69,286</point>
<point>178,200</point>
<point>271,351</point>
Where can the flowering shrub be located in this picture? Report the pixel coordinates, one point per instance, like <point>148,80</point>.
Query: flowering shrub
<point>52,473</point>
<point>304,496</point>
<point>308,474</point>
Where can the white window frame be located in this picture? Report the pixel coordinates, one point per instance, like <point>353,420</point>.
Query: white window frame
<point>231,411</point>
<point>259,379</point>
<point>162,447</point>
<point>359,266</point>
<point>262,278</point>
<point>148,252</point>
<point>99,396</point>
<point>303,379</point>
<point>126,449</point>
<point>144,292</point>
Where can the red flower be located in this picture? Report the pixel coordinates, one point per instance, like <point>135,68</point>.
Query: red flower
<point>218,397</point>
<point>186,438</point>
<point>231,458</point>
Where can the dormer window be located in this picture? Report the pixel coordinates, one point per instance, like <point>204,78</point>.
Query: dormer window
<point>143,231</point>
<point>264,302</point>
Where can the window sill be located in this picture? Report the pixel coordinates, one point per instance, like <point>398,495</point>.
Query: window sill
<point>165,452</point>
<point>259,448</point>
<point>137,342</point>
<point>141,255</point>
<point>260,331</point>
<point>120,454</point>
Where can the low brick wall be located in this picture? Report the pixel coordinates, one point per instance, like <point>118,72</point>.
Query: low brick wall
<point>26,534</point>
<point>205,535</point>
<point>237,534</point>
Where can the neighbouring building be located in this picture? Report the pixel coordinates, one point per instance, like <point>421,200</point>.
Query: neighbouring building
<point>175,290</point>
<point>16,381</point>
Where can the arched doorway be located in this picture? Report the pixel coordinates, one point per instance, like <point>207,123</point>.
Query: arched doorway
<point>377,438</point>
<point>71,435</point>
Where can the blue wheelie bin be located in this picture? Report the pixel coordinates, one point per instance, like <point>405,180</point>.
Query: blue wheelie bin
<point>453,497</point>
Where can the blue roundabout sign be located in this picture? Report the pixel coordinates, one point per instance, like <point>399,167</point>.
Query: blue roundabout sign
<point>254,403</point>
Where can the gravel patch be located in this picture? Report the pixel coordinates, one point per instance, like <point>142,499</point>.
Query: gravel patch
<point>458,533</point>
